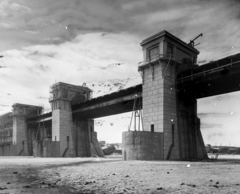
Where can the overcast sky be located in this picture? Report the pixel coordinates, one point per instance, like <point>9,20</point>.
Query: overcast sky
<point>76,41</point>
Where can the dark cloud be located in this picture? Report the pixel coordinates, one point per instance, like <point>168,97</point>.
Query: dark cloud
<point>210,125</point>
<point>217,20</point>
<point>215,114</point>
<point>213,135</point>
<point>39,53</point>
<point>41,97</point>
<point>37,69</point>
<point>4,105</point>
<point>43,68</point>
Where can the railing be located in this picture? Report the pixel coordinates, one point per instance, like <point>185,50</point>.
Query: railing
<point>5,140</point>
<point>157,57</point>
<point>209,71</point>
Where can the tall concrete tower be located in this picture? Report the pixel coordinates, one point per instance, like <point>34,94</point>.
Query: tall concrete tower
<point>170,118</point>
<point>20,137</point>
<point>62,97</point>
<point>163,56</point>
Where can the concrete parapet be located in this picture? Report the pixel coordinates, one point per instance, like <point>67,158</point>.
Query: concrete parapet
<point>46,148</point>
<point>142,145</point>
<point>8,150</point>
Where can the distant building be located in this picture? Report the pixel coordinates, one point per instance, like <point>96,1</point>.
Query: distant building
<point>102,143</point>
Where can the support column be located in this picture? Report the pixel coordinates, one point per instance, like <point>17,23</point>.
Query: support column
<point>175,116</point>
<point>82,137</point>
<point>192,145</point>
<point>20,138</point>
<point>62,97</point>
<point>159,105</point>
<point>96,149</point>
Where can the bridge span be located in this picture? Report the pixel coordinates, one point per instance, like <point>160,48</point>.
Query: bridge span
<point>214,78</point>
<point>171,84</point>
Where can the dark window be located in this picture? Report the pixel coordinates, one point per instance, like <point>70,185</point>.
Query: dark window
<point>152,128</point>
<point>169,51</point>
<point>153,53</point>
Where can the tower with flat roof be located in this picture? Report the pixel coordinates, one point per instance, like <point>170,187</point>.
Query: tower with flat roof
<point>164,57</point>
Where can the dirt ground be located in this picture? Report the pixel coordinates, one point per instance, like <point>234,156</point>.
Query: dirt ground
<point>112,175</point>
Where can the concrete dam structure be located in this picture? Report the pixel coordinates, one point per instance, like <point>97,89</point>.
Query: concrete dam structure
<point>171,84</point>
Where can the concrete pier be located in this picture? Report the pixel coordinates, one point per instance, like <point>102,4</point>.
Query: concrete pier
<point>62,97</point>
<point>20,137</point>
<point>142,145</point>
<point>164,111</point>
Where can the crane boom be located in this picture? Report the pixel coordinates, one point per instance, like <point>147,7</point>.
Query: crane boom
<point>191,42</point>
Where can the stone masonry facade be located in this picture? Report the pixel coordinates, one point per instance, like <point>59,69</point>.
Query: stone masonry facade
<point>159,103</point>
<point>62,97</point>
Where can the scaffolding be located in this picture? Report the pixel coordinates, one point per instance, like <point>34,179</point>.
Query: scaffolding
<point>6,129</point>
<point>136,114</point>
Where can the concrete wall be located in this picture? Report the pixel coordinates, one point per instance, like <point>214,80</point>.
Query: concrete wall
<point>158,42</point>
<point>62,130</point>
<point>142,145</point>
<point>201,149</point>
<point>159,105</point>
<point>19,132</point>
<point>8,150</point>
<point>152,99</point>
<point>96,149</point>
<point>85,146</point>
<point>14,150</point>
<point>82,141</point>
<point>179,50</point>
<point>191,143</point>
<point>46,148</point>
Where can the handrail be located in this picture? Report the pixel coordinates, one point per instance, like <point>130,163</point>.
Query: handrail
<point>154,58</point>
<point>207,71</point>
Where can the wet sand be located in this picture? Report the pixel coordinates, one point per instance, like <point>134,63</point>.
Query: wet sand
<point>112,175</point>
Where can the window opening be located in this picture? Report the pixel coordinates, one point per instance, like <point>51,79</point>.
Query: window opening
<point>169,51</point>
<point>152,128</point>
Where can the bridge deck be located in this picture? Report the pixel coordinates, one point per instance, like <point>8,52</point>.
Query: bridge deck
<point>217,77</point>
<point>110,104</point>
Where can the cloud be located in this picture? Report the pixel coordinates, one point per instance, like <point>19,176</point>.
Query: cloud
<point>7,25</point>
<point>211,125</point>
<point>217,114</point>
<point>87,58</point>
<point>59,21</point>
<point>8,7</point>
<point>214,135</point>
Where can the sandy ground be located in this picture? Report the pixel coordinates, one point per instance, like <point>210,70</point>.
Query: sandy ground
<point>112,175</point>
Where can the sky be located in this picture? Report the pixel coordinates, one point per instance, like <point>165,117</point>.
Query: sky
<point>97,42</point>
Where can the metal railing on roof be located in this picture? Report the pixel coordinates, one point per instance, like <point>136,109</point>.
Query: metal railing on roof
<point>204,72</point>
<point>157,57</point>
